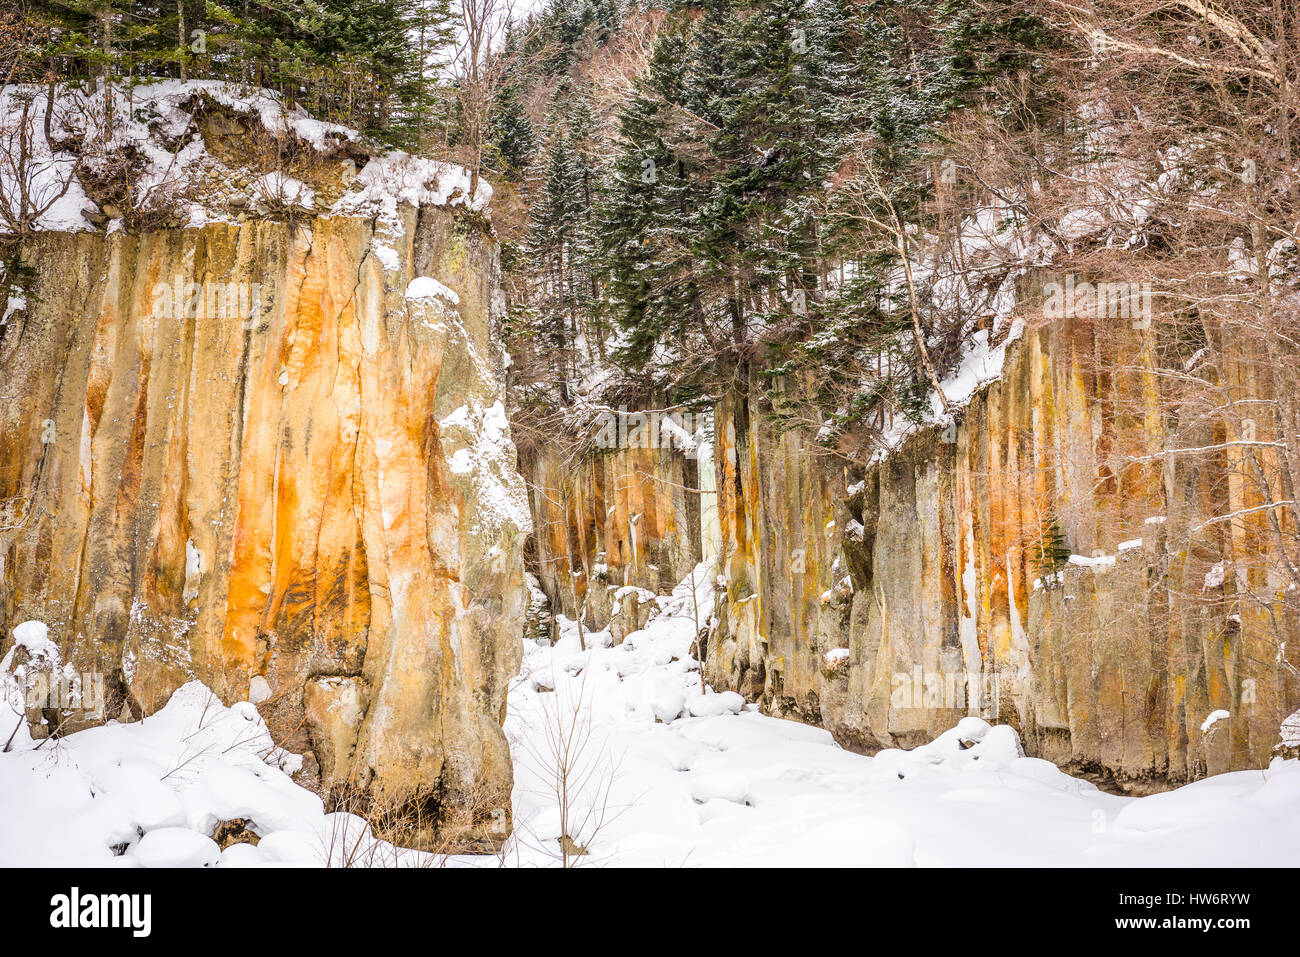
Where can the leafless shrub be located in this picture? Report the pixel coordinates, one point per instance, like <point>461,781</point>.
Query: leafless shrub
<point>578,771</point>
<point>291,169</point>
<point>480,67</point>
<point>34,176</point>
<point>116,175</point>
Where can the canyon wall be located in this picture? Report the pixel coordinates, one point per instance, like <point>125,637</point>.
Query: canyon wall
<point>1037,564</point>
<point>617,527</point>
<point>1041,563</point>
<point>315,507</point>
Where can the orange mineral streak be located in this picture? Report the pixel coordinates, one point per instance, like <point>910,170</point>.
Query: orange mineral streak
<point>267,500</point>
<point>1107,664</point>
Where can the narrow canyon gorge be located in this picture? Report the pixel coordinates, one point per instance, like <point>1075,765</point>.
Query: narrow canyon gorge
<point>864,432</point>
<point>296,509</point>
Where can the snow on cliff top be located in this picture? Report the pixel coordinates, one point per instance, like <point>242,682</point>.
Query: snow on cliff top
<point>398,177</point>
<point>426,287</point>
<point>156,125</point>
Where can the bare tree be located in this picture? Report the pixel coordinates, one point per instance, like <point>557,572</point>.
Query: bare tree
<point>480,66</point>
<point>578,770</point>
<point>34,174</point>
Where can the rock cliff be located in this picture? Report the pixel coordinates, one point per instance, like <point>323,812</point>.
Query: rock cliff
<point>1042,563</point>
<point>615,529</point>
<point>269,455</point>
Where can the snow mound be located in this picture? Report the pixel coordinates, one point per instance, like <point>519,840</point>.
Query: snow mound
<point>280,189</point>
<point>151,793</point>
<point>424,287</point>
<point>1289,732</point>
<point>1213,718</point>
<point>711,704</point>
<point>35,637</point>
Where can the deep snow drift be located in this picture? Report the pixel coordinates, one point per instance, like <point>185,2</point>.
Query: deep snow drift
<point>658,773</point>
<point>716,788</point>
<point>152,792</point>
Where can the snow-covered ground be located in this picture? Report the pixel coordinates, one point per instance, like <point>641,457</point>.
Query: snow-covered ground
<point>150,794</point>
<point>717,788</point>
<point>658,774</point>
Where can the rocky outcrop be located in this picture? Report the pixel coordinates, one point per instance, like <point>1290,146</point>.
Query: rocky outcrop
<point>617,526</point>
<point>1040,564</point>
<point>311,503</point>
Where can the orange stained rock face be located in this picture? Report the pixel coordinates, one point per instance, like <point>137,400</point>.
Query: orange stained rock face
<point>1108,663</point>
<point>623,511</point>
<point>268,499</point>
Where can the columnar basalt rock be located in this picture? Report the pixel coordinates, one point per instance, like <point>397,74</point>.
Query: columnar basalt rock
<point>314,507</point>
<point>614,519</point>
<point>888,606</point>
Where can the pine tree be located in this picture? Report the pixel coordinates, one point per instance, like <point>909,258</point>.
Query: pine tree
<point>370,63</point>
<point>510,132</point>
<point>553,248</point>
<point>981,47</point>
<point>755,226</point>
<point>646,222</point>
